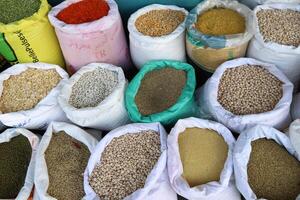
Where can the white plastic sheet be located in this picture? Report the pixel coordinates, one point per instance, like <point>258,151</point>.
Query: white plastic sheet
<point>6,136</point>
<point>157,183</point>
<point>45,111</point>
<point>225,188</point>
<point>279,117</point>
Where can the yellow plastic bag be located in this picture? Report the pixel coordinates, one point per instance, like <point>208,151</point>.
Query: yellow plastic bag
<point>31,40</point>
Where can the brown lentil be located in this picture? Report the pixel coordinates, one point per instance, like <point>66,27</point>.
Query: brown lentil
<point>125,164</point>
<point>159,90</point>
<point>159,22</point>
<point>280,26</point>
<point>26,90</point>
<point>221,21</point>
<point>15,157</point>
<point>66,160</point>
<point>249,89</point>
<point>273,173</point>
<point>203,153</point>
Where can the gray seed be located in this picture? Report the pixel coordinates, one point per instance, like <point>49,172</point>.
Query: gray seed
<point>249,90</point>
<point>93,87</point>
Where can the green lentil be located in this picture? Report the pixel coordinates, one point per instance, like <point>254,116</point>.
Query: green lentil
<point>15,157</point>
<point>15,10</point>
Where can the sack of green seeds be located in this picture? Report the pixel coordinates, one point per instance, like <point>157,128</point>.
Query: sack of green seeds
<point>18,155</point>
<point>245,92</point>
<point>94,97</point>
<point>26,34</point>
<point>61,159</point>
<point>139,153</point>
<point>162,91</point>
<point>266,165</point>
<point>29,95</point>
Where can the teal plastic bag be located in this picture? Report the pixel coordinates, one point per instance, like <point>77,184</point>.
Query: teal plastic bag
<point>185,105</point>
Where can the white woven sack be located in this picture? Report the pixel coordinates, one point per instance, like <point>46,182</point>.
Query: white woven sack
<point>6,136</point>
<point>294,134</point>
<point>286,58</point>
<point>279,117</point>
<point>242,151</point>
<point>109,114</point>
<point>41,179</point>
<point>45,111</point>
<point>157,183</point>
<point>221,190</point>
<point>145,48</point>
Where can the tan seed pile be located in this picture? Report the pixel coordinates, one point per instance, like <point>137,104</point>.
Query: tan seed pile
<point>249,89</point>
<point>157,23</point>
<point>66,160</point>
<point>273,173</point>
<point>125,164</point>
<point>280,26</point>
<point>26,90</point>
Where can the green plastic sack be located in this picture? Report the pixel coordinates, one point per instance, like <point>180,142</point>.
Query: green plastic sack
<point>185,105</point>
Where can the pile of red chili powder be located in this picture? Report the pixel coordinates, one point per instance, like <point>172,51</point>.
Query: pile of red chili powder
<point>84,11</point>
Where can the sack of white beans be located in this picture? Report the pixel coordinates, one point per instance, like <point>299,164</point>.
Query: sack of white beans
<point>157,32</point>
<point>94,97</point>
<point>102,40</point>
<point>266,165</point>
<point>63,151</point>
<point>29,95</point>
<point>245,92</point>
<point>130,163</point>
<point>187,164</point>
<point>17,156</point>
<point>277,38</point>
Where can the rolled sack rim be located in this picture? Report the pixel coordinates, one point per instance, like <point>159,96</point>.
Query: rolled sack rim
<point>134,33</point>
<point>102,24</point>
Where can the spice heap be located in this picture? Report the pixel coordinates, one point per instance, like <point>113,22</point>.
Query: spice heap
<point>280,26</point>
<point>66,160</point>
<point>26,90</point>
<point>15,158</point>
<point>125,164</point>
<point>84,11</point>
<point>221,21</point>
<point>203,153</point>
<point>249,89</point>
<point>273,173</point>
<point>157,23</point>
<point>15,10</point>
<point>93,87</point>
<point>159,90</point>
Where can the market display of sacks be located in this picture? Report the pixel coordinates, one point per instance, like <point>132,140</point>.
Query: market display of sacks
<point>62,154</point>
<point>162,91</point>
<point>266,165</point>
<point>94,97</point>
<point>101,40</point>
<point>128,148</point>
<point>18,148</point>
<point>157,32</point>
<point>276,38</point>
<point>29,95</point>
<point>31,39</point>
<point>209,45</point>
<point>200,163</point>
<point>245,92</point>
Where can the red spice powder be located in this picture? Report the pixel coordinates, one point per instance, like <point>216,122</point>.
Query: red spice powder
<point>84,11</point>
